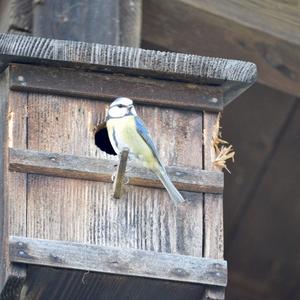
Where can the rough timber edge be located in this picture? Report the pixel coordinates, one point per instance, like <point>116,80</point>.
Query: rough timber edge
<point>235,75</point>
<point>117,261</point>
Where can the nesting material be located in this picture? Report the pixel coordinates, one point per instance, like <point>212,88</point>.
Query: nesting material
<point>223,150</point>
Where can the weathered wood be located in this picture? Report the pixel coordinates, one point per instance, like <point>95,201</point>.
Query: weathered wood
<point>130,14</point>
<point>236,76</point>
<point>276,18</point>
<point>119,179</point>
<point>117,261</point>
<point>175,25</point>
<point>62,284</point>
<point>15,16</point>
<point>70,166</point>
<point>83,211</point>
<point>213,209</point>
<point>13,285</point>
<point>3,145</point>
<point>12,186</point>
<point>63,81</point>
<point>114,22</point>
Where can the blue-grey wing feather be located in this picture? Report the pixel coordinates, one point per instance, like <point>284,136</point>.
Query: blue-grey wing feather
<point>144,133</point>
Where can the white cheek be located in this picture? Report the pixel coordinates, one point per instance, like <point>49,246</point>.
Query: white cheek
<point>117,112</point>
<point>133,111</point>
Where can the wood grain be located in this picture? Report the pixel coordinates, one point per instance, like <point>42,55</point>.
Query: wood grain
<point>14,284</point>
<point>201,32</point>
<point>16,16</point>
<point>237,74</point>
<point>117,261</point>
<point>82,210</point>
<point>77,167</point>
<point>3,182</point>
<point>92,85</point>
<point>113,22</point>
<point>50,284</point>
<point>212,209</point>
<point>13,187</point>
<point>279,19</point>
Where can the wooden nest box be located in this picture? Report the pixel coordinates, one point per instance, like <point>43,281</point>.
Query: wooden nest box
<point>63,235</point>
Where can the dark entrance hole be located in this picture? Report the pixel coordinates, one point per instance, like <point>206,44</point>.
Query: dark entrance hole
<point>102,139</point>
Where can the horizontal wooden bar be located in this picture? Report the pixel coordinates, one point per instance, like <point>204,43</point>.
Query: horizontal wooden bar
<point>87,168</point>
<point>103,86</point>
<point>119,261</point>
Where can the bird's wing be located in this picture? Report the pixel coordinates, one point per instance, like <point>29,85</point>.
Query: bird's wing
<point>144,133</point>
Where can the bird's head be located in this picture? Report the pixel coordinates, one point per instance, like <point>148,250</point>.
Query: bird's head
<point>121,107</point>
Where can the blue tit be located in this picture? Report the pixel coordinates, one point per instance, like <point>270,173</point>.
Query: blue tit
<point>126,129</point>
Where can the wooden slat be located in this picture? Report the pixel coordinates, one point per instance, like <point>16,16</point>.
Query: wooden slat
<point>13,202</point>
<point>213,209</point>
<point>14,284</point>
<point>63,81</point>
<point>117,261</point>
<point>236,76</point>
<point>114,22</point>
<point>70,166</point>
<point>50,284</point>
<point>175,25</point>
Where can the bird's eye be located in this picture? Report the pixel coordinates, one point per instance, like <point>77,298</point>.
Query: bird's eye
<point>120,105</point>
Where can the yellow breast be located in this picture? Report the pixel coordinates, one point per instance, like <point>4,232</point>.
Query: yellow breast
<point>123,130</point>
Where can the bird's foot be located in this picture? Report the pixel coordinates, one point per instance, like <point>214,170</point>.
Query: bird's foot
<point>113,176</point>
<point>126,180</point>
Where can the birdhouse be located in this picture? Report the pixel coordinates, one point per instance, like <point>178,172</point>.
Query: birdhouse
<point>64,234</point>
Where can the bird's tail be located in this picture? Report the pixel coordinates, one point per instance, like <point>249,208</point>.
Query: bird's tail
<point>173,192</point>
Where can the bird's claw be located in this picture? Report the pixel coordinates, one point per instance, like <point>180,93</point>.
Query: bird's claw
<point>113,176</point>
<point>126,180</point>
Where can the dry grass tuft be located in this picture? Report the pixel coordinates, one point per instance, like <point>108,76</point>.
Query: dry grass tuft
<point>223,149</point>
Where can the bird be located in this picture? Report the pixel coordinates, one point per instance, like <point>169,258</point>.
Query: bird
<point>127,130</point>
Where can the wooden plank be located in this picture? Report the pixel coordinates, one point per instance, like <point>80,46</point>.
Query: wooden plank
<point>13,285</point>
<point>16,16</point>
<point>62,81</point>
<point>276,18</point>
<point>173,25</point>
<point>117,22</point>
<point>213,208</point>
<point>117,261</point>
<point>130,14</point>
<point>84,211</point>
<point>63,284</point>
<point>3,184</point>
<point>235,75</point>
<point>13,186</point>
<point>70,166</point>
